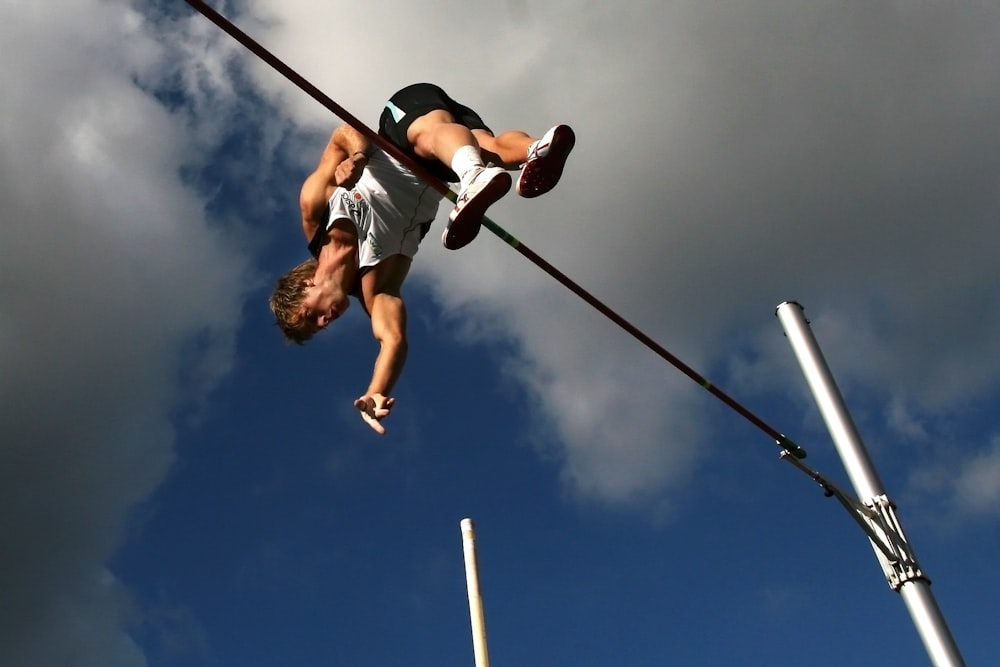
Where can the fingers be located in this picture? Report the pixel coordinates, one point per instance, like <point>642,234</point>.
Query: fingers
<point>348,173</point>
<point>373,409</point>
<point>374,423</point>
<point>376,403</point>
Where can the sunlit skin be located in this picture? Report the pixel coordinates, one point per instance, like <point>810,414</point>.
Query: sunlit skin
<point>436,135</point>
<point>323,304</point>
<point>327,292</point>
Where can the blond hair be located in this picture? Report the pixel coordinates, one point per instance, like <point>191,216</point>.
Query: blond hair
<point>286,303</point>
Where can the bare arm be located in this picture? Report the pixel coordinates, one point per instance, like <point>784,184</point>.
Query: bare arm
<point>350,141</point>
<point>381,298</point>
<point>389,329</point>
<point>341,164</point>
<point>350,152</point>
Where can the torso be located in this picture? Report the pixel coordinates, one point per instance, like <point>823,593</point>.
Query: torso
<point>387,208</point>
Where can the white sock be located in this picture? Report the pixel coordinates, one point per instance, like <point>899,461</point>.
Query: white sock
<point>465,160</point>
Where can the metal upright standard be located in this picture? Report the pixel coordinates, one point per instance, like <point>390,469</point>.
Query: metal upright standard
<point>475,597</point>
<point>875,512</point>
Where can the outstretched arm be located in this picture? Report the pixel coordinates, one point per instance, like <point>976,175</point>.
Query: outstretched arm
<point>381,298</point>
<point>389,327</point>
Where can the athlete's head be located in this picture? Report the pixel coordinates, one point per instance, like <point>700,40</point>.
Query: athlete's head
<point>286,303</point>
<point>301,306</point>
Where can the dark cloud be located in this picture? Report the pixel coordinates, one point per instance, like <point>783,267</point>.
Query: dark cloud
<point>118,299</point>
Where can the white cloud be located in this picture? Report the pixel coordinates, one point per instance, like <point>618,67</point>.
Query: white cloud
<point>977,488</point>
<point>962,481</point>
<point>730,157</point>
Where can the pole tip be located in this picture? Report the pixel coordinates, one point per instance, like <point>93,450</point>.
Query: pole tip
<point>788,303</point>
<point>466,524</point>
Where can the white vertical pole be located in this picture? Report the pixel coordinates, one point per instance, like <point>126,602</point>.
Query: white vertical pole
<point>475,598</point>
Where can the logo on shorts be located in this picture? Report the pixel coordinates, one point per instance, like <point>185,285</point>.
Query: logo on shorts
<point>356,204</point>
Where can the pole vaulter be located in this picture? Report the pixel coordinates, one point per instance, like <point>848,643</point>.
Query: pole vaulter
<point>782,441</point>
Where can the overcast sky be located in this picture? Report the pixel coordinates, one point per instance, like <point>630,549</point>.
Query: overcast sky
<point>730,156</point>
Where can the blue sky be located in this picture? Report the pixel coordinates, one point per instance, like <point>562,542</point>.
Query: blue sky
<point>178,488</point>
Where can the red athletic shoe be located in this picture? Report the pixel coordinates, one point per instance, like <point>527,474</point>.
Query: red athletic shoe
<point>546,158</point>
<point>487,186</point>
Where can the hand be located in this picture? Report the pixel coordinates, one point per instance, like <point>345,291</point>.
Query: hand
<point>349,171</point>
<point>374,408</point>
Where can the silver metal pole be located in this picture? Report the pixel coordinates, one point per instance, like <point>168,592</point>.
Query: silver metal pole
<point>893,551</point>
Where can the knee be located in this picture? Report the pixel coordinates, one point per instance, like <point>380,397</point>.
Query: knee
<point>423,128</point>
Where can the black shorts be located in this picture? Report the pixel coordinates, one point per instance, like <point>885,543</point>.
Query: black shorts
<point>411,103</point>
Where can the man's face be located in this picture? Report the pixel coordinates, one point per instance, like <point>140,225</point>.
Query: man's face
<point>322,306</point>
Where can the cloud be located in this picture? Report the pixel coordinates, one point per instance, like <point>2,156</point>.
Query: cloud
<point>755,155</point>
<point>729,158</point>
<point>977,489</point>
<point>961,480</point>
<point>119,304</point>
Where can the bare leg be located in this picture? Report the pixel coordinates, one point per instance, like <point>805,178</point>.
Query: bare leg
<point>508,150</point>
<point>436,135</point>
